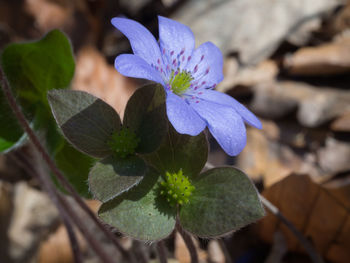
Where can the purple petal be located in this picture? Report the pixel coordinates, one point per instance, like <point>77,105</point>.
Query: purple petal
<point>225,125</point>
<point>177,39</point>
<point>224,99</point>
<point>141,40</point>
<point>184,119</point>
<point>133,66</point>
<point>206,64</point>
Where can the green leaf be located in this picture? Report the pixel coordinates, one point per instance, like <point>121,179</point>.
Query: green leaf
<point>87,122</point>
<point>139,213</point>
<point>34,68</point>
<point>145,115</point>
<point>180,151</point>
<point>10,131</point>
<point>115,175</point>
<point>224,200</point>
<point>75,167</point>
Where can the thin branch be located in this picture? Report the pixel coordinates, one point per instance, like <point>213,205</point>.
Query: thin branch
<point>162,253</point>
<point>189,243</point>
<point>22,162</point>
<point>313,254</point>
<point>23,122</point>
<point>73,241</point>
<point>45,181</point>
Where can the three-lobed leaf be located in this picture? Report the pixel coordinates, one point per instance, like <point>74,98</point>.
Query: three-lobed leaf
<point>224,200</point>
<point>114,175</point>
<point>86,121</point>
<point>180,151</point>
<point>139,213</point>
<point>145,115</point>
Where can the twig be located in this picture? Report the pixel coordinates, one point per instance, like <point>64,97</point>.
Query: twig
<point>23,122</point>
<point>313,254</point>
<point>22,162</point>
<point>46,181</point>
<point>162,253</point>
<point>189,243</point>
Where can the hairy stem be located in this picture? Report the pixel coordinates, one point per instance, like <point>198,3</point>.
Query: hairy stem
<point>22,162</point>
<point>162,253</point>
<point>189,243</point>
<point>46,182</point>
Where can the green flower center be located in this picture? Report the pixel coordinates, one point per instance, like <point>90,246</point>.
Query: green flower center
<point>176,188</point>
<point>180,82</point>
<point>123,142</point>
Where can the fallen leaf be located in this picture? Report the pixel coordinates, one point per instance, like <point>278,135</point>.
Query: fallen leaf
<point>321,213</point>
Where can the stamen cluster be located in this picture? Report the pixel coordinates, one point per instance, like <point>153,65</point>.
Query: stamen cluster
<point>176,188</point>
<point>123,142</point>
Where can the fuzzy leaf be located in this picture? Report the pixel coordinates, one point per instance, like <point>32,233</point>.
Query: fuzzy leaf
<point>224,200</point>
<point>145,115</point>
<point>87,122</point>
<point>139,213</point>
<point>113,176</point>
<point>180,151</point>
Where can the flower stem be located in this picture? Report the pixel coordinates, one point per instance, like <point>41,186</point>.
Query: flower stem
<point>162,253</point>
<point>23,122</point>
<point>189,243</point>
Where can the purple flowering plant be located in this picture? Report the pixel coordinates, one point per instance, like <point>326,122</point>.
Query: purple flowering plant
<point>189,76</point>
<point>147,169</point>
<point>148,173</point>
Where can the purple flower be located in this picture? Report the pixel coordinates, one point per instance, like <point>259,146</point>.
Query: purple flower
<point>189,76</point>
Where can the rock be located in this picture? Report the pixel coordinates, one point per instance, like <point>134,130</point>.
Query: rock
<point>334,157</point>
<point>328,59</point>
<point>266,71</point>
<point>215,253</point>
<point>95,76</point>
<point>253,28</point>
<point>316,105</point>
<point>6,207</point>
<point>342,124</point>
<point>32,217</point>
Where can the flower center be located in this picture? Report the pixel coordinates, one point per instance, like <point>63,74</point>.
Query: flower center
<point>176,188</point>
<point>123,142</point>
<point>180,81</point>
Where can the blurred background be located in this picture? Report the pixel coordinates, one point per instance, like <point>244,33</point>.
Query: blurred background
<point>288,61</point>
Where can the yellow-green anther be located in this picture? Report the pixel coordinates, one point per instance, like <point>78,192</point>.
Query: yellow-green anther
<point>180,81</point>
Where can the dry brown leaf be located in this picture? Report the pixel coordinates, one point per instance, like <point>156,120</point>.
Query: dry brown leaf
<point>95,76</point>
<point>320,212</point>
<point>332,58</point>
<point>50,14</point>
<point>264,159</point>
